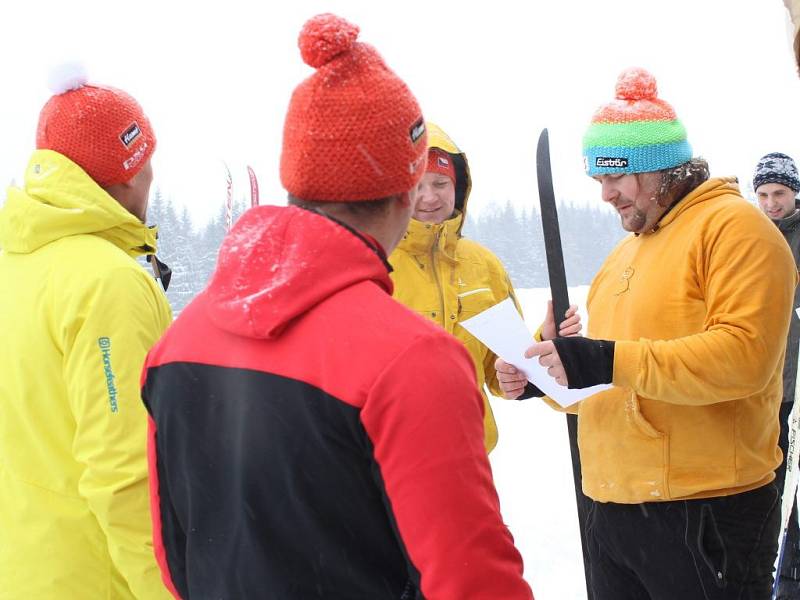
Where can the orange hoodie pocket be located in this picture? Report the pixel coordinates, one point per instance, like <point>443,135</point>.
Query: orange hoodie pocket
<point>624,457</point>
<point>633,408</point>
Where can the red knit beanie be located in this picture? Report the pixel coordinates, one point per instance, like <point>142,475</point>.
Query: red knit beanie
<point>353,130</point>
<point>441,162</point>
<point>101,129</point>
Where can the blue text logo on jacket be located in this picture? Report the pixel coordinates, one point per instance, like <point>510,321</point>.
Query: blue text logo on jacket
<point>105,350</point>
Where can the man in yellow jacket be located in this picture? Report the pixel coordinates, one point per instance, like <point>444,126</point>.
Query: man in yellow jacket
<point>688,319</point>
<point>446,277</point>
<point>78,315</point>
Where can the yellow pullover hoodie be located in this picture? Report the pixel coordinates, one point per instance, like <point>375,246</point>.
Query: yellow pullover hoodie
<point>699,310</point>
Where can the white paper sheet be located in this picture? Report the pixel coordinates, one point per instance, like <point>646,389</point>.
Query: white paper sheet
<point>504,332</point>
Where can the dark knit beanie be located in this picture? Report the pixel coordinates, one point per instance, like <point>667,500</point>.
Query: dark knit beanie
<point>777,167</point>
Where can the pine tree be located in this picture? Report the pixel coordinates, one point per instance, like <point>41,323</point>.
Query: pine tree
<point>516,237</point>
<point>184,284</point>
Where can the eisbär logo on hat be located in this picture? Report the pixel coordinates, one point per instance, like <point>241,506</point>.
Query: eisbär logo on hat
<point>101,129</point>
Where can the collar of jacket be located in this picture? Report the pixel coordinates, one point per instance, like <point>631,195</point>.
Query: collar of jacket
<point>279,262</point>
<point>708,190</point>
<point>58,200</point>
<point>370,241</point>
<point>789,223</point>
<point>421,237</point>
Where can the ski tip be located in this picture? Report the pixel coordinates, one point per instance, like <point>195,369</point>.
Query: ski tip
<point>543,137</point>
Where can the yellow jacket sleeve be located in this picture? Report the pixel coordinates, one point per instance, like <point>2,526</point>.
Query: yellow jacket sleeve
<point>104,351</point>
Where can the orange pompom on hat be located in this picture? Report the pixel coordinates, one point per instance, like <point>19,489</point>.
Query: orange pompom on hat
<point>101,129</point>
<point>353,131</point>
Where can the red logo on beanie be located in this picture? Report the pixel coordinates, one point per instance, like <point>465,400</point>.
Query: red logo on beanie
<point>134,160</point>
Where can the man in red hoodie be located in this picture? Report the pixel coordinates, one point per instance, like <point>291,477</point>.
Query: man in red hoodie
<point>311,437</point>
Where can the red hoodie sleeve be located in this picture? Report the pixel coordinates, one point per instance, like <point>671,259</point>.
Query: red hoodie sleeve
<point>424,418</point>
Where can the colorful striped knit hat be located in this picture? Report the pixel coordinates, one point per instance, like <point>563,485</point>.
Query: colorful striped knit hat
<point>635,133</point>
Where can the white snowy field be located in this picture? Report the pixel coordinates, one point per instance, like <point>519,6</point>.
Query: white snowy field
<point>533,475</point>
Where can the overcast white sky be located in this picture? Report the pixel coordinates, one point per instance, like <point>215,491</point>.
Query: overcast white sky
<point>215,79</point>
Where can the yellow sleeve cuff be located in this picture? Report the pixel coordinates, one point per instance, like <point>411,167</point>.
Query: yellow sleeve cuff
<point>627,364</point>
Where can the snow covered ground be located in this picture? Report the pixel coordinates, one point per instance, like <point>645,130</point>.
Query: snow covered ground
<point>533,475</point>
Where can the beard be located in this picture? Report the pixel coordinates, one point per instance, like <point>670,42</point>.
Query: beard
<point>634,221</point>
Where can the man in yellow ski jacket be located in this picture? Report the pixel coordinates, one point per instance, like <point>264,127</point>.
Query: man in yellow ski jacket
<point>78,314</point>
<point>446,277</point>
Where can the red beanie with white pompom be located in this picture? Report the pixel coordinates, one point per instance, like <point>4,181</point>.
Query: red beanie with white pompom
<point>101,129</point>
<point>353,131</point>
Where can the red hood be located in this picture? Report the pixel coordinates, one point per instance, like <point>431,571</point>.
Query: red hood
<point>277,263</point>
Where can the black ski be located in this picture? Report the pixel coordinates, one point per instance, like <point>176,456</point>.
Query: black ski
<point>560,297</point>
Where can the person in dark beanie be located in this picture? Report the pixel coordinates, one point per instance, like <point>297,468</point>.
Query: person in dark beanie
<point>78,314</point>
<point>310,436</point>
<point>687,319</point>
<point>776,183</point>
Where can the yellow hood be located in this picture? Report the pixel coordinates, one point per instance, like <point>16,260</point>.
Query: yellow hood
<point>59,200</point>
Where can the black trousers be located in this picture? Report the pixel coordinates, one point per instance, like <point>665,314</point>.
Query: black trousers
<point>789,577</point>
<point>711,549</point>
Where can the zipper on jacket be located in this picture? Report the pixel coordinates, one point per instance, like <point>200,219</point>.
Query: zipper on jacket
<point>435,267</point>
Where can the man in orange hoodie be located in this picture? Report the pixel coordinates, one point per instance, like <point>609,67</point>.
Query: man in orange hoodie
<point>687,319</point>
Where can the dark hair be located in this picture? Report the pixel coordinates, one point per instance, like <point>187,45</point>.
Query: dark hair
<point>362,209</point>
<point>678,181</point>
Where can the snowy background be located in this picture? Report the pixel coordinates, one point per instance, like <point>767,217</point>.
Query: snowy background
<point>215,80</point>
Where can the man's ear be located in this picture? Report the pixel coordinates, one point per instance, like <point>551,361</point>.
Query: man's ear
<point>408,198</point>
<point>115,190</point>
<point>132,181</point>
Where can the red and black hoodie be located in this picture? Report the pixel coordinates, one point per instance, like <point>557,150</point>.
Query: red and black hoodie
<point>312,438</point>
